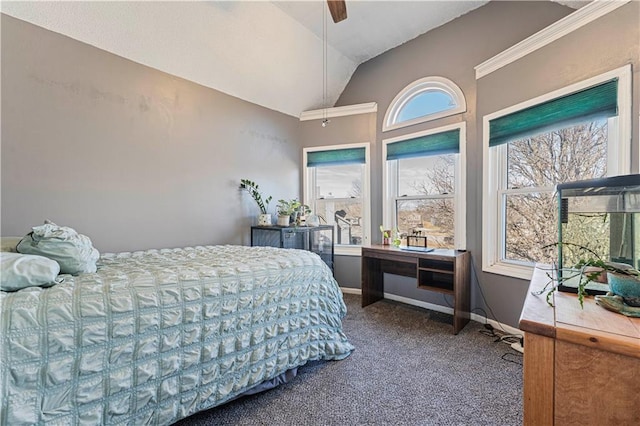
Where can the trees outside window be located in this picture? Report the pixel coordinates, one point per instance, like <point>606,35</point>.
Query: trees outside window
<point>424,185</point>
<point>425,204</point>
<point>534,166</point>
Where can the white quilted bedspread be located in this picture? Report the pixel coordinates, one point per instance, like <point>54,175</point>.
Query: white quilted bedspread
<point>155,336</point>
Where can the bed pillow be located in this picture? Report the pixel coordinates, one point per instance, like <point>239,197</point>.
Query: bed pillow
<point>9,244</point>
<point>19,271</point>
<point>73,252</point>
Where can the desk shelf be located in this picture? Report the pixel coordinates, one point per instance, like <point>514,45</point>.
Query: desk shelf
<point>437,265</point>
<point>442,271</point>
<point>441,283</point>
<point>436,275</point>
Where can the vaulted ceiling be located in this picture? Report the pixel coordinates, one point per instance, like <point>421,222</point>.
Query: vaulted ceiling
<point>266,52</point>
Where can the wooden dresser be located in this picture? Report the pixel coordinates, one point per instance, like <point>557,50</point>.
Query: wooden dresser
<point>581,366</point>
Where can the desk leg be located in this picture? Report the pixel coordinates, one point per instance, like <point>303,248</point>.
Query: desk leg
<point>462,294</point>
<point>461,314</point>
<point>372,281</point>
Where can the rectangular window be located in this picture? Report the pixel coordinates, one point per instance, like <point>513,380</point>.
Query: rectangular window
<point>573,134</point>
<point>534,166</point>
<point>336,187</point>
<point>424,185</point>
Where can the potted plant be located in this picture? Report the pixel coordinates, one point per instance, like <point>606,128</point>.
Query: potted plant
<point>626,285</point>
<point>290,211</point>
<point>623,279</point>
<point>253,189</point>
<point>285,209</point>
<point>386,235</point>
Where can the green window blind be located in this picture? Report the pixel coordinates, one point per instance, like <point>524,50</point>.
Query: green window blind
<point>336,157</point>
<point>595,102</point>
<point>436,144</point>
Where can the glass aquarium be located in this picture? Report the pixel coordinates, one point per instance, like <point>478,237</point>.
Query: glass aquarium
<point>598,219</point>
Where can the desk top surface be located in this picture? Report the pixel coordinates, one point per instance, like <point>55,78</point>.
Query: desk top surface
<point>395,251</point>
<point>292,227</point>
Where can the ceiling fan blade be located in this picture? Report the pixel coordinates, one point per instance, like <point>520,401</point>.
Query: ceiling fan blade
<point>338,10</point>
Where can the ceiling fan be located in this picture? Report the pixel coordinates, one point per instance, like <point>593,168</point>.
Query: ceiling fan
<point>338,10</point>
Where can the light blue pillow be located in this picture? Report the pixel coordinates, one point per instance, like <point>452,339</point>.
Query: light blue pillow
<point>73,252</point>
<point>19,271</point>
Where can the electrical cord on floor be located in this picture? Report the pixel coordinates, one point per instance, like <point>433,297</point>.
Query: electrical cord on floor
<point>484,314</point>
<point>515,341</point>
<point>509,338</point>
<point>488,331</point>
<point>514,357</point>
<point>444,297</point>
<point>484,299</point>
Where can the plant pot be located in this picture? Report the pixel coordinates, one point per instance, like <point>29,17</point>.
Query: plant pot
<point>264,219</point>
<point>625,286</point>
<point>386,240</point>
<point>313,220</point>
<point>284,220</point>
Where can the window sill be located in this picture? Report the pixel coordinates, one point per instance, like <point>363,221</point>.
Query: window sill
<point>510,270</point>
<point>347,250</point>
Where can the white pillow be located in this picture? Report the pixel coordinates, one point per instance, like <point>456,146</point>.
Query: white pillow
<point>9,244</point>
<point>19,271</point>
<point>73,252</point>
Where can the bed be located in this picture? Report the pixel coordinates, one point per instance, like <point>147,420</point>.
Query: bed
<point>157,335</point>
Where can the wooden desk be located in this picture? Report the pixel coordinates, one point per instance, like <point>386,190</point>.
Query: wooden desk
<point>443,271</point>
<point>581,366</point>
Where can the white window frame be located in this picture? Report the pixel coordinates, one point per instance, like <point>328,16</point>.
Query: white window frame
<point>390,184</point>
<point>495,168</point>
<point>309,188</point>
<point>411,90</point>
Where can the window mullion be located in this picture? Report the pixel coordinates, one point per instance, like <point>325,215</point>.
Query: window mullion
<point>526,190</point>
<point>425,197</point>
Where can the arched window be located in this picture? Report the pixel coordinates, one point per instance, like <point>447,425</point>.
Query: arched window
<point>426,99</point>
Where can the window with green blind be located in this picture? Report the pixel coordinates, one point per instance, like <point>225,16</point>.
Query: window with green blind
<point>575,133</point>
<point>336,185</point>
<point>422,146</point>
<point>335,157</point>
<point>424,185</point>
<point>600,101</point>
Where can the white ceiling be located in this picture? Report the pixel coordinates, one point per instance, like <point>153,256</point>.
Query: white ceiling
<point>266,52</point>
<point>373,27</point>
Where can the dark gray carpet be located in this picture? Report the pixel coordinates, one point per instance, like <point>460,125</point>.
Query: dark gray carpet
<point>408,369</point>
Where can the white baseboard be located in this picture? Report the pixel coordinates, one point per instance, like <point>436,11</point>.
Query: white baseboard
<point>351,290</point>
<point>439,308</point>
<point>419,303</point>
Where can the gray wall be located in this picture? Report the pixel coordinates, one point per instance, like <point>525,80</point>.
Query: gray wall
<point>341,131</point>
<point>452,51</point>
<point>130,156</point>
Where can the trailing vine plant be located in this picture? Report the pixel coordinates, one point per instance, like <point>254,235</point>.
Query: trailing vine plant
<point>586,270</point>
